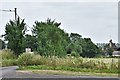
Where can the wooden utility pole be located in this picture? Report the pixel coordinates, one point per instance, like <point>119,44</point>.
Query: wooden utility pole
<point>15,13</point>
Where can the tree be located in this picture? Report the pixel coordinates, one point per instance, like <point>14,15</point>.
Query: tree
<point>84,46</point>
<point>74,47</point>
<point>14,34</point>
<point>2,44</point>
<point>90,50</point>
<point>50,38</point>
<point>108,50</point>
<point>30,42</point>
<point>75,36</point>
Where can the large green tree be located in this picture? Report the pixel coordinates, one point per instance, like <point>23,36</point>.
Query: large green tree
<point>108,50</point>
<point>14,34</point>
<point>83,46</point>
<point>90,50</point>
<point>51,39</point>
<point>2,44</point>
<point>30,41</point>
<point>74,45</point>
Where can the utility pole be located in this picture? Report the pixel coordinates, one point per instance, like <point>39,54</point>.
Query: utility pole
<point>15,11</point>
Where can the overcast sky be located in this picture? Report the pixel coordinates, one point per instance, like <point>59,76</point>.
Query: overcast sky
<point>96,20</point>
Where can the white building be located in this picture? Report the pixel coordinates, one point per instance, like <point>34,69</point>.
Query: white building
<point>116,53</point>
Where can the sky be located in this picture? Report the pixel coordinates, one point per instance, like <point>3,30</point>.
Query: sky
<point>95,20</point>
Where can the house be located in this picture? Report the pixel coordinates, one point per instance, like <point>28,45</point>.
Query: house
<point>114,47</point>
<point>116,53</point>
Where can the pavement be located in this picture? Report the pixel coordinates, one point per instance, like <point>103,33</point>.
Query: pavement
<point>10,73</point>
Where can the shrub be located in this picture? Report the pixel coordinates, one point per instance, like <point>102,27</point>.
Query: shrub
<point>68,61</point>
<point>25,59</point>
<point>75,54</point>
<point>10,62</point>
<point>36,60</point>
<point>7,54</point>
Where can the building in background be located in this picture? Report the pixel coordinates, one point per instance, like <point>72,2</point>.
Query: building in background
<point>111,46</point>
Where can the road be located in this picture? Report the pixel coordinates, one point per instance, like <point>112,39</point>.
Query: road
<point>10,73</point>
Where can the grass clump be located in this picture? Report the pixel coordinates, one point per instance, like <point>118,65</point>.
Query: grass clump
<point>7,58</point>
<point>10,62</point>
<point>70,63</point>
<point>25,59</point>
<point>7,54</point>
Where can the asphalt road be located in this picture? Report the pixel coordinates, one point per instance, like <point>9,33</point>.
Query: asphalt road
<point>10,73</point>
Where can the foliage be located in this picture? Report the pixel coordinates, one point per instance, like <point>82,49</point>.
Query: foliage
<point>73,53</point>
<point>83,46</point>
<point>75,36</point>
<point>30,42</point>
<point>14,34</point>
<point>50,38</point>
<point>2,44</point>
<point>71,61</point>
<point>7,54</point>
<point>25,59</point>
<point>66,68</point>
<point>9,62</point>
<point>109,50</point>
<point>75,64</point>
<point>74,47</point>
<point>90,50</point>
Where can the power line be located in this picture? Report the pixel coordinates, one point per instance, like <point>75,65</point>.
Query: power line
<point>16,15</point>
<point>8,10</point>
<point>22,19</point>
<point>15,11</point>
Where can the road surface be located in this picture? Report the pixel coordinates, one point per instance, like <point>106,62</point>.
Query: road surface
<point>10,73</point>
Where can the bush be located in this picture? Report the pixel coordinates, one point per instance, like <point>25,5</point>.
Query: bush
<point>25,59</point>
<point>73,53</point>
<point>37,60</point>
<point>10,62</point>
<point>7,54</point>
<point>68,61</point>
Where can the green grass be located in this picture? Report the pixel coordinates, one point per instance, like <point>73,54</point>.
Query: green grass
<point>9,62</point>
<point>65,68</point>
<point>70,73</point>
<point>28,61</point>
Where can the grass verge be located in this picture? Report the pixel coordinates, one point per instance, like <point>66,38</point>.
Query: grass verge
<point>68,70</point>
<point>69,73</point>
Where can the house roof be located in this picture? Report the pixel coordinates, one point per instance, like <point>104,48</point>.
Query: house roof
<point>116,53</point>
<point>118,49</point>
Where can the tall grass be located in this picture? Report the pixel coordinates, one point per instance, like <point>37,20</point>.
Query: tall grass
<point>9,62</point>
<point>7,54</point>
<point>79,62</point>
<point>27,59</point>
<point>7,58</point>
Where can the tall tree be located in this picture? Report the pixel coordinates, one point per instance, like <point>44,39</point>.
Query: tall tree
<point>30,41</point>
<point>14,34</point>
<point>74,45</point>
<point>2,44</point>
<point>90,50</point>
<point>75,36</point>
<point>84,46</point>
<point>51,39</point>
